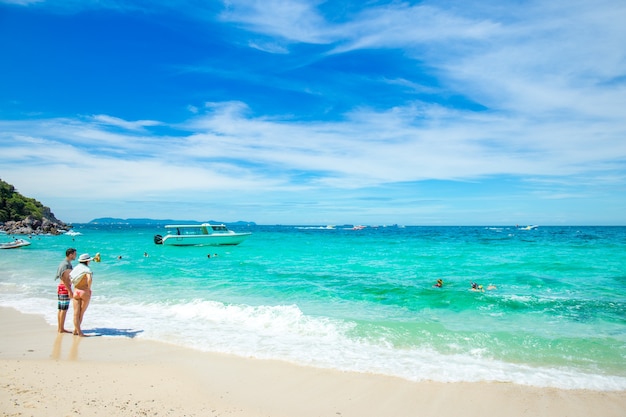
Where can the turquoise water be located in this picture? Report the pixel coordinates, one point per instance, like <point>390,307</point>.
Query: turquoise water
<point>360,300</point>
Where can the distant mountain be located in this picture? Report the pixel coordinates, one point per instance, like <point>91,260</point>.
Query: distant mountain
<point>161,222</point>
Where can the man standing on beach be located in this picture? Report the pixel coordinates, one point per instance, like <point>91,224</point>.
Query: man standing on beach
<point>64,290</point>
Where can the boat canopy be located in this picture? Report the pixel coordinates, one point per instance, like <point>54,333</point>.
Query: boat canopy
<point>192,229</point>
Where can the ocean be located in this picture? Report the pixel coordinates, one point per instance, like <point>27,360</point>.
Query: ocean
<point>359,300</point>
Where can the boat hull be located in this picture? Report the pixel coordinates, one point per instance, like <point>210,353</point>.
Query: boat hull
<point>203,240</point>
<point>14,245</point>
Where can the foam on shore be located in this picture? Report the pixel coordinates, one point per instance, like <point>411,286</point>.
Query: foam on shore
<point>122,375</point>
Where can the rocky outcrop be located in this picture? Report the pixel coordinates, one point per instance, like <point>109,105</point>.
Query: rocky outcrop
<point>20,215</point>
<point>33,226</point>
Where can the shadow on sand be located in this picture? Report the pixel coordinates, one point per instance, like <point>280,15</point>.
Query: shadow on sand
<point>107,331</point>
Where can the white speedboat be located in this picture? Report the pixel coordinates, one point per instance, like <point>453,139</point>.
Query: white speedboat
<point>530,227</point>
<point>17,243</point>
<point>205,234</point>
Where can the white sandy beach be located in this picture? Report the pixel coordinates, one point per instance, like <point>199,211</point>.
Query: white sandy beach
<point>46,374</point>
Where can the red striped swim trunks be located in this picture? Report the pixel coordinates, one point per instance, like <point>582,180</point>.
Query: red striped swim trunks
<point>64,297</point>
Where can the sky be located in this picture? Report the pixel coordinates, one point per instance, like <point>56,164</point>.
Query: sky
<point>308,112</point>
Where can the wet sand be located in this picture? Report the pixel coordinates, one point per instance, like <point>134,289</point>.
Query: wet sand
<point>43,373</point>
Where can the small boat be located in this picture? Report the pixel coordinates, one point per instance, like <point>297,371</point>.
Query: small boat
<point>533,227</point>
<point>327,227</point>
<point>204,234</point>
<point>17,243</point>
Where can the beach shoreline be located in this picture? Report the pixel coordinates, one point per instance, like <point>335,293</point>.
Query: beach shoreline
<point>47,374</point>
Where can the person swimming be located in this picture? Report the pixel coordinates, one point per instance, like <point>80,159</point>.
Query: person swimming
<point>439,283</point>
<point>478,287</point>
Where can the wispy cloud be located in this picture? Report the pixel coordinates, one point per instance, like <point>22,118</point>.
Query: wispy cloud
<point>367,149</point>
<point>21,2</point>
<point>117,122</point>
<point>532,94</point>
<point>270,47</point>
<point>293,20</point>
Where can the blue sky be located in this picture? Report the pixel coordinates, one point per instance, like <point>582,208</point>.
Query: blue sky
<point>312,112</point>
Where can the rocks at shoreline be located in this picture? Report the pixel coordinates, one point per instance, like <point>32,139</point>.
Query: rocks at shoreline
<point>33,226</point>
<point>20,215</point>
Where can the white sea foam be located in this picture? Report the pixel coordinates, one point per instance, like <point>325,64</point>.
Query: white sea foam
<point>285,333</point>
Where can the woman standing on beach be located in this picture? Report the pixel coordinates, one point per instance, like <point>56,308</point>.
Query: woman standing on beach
<point>81,277</point>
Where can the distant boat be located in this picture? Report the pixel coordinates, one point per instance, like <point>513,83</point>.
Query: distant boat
<point>533,227</point>
<point>205,234</point>
<point>358,227</point>
<point>327,227</point>
<point>17,243</point>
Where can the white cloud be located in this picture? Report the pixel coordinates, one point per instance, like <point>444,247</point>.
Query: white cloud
<point>525,57</point>
<point>548,78</point>
<point>296,20</point>
<point>22,2</point>
<point>116,121</point>
<point>228,149</point>
<point>270,47</point>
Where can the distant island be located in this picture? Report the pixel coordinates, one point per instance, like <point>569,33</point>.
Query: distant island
<point>161,222</point>
<point>20,215</point>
